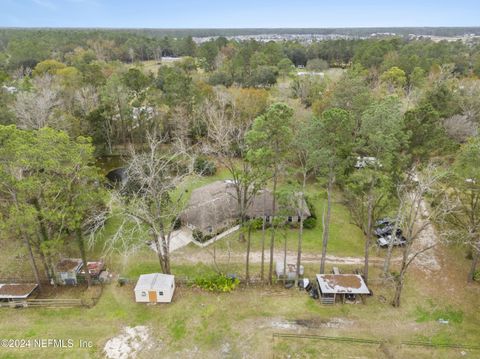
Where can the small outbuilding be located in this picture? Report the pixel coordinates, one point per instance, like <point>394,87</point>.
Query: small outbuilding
<point>349,287</point>
<point>67,271</point>
<point>16,291</point>
<point>155,288</point>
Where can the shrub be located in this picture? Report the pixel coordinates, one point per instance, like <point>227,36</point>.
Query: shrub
<point>311,221</point>
<point>220,78</point>
<point>204,167</point>
<point>256,223</point>
<point>217,283</point>
<point>200,237</point>
<point>476,276</point>
<point>264,76</point>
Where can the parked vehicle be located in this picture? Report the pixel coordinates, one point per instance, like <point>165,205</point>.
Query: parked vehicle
<point>384,227</point>
<point>386,231</point>
<point>399,240</point>
<point>384,222</point>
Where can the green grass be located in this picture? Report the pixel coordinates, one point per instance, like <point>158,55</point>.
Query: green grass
<point>346,239</point>
<point>433,313</point>
<point>177,328</point>
<point>203,323</point>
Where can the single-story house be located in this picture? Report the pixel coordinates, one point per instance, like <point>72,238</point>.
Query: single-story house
<point>67,270</point>
<point>155,288</point>
<point>214,207</point>
<point>16,291</point>
<point>346,286</point>
<point>290,273</point>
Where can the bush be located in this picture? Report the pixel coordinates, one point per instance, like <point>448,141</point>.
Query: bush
<point>217,283</point>
<point>204,167</point>
<point>310,222</point>
<point>200,237</point>
<point>476,276</point>
<point>256,223</point>
<point>220,78</point>
<point>317,65</point>
<point>264,76</point>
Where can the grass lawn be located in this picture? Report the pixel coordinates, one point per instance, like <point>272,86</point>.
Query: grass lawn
<point>346,239</point>
<point>241,324</point>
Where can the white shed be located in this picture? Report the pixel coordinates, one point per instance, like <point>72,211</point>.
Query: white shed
<point>155,288</point>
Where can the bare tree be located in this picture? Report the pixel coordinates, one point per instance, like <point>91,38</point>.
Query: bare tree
<point>34,110</point>
<point>226,134</point>
<point>460,127</point>
<point>155,193</point>
<point>469,94</point>
<point>461,222</point>
<point>415,219</point>
<point>88,99</point>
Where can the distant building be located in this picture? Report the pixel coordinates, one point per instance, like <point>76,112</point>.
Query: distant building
<point>214,207</point>
<point>155,288</point>
<point>311,73</point>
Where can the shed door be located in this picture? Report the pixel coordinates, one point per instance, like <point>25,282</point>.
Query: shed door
<point>152,296</point>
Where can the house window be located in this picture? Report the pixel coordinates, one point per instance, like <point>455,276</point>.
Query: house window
<point>290,218</point>
<point>144,294</point>
<point>160,293</point>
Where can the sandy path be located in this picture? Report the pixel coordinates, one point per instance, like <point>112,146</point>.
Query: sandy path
<point>256,257</point>
<point>427,261</point>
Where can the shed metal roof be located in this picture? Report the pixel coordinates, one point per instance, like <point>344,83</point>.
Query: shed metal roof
<point>16,290</point>
<point>342,283</point>
<point>154,281</point>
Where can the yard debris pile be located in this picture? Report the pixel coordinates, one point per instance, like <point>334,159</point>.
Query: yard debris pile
<point>129,344</point>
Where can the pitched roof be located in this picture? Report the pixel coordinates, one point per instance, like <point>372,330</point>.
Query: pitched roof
<point>155,281</point>
<point>215,206</point>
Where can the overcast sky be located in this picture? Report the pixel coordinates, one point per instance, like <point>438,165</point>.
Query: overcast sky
<point>234,14</point>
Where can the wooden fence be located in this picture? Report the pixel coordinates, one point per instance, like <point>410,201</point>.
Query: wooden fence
<point>45,303</point>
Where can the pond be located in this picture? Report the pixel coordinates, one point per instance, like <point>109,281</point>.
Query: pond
<point>107,163</point>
